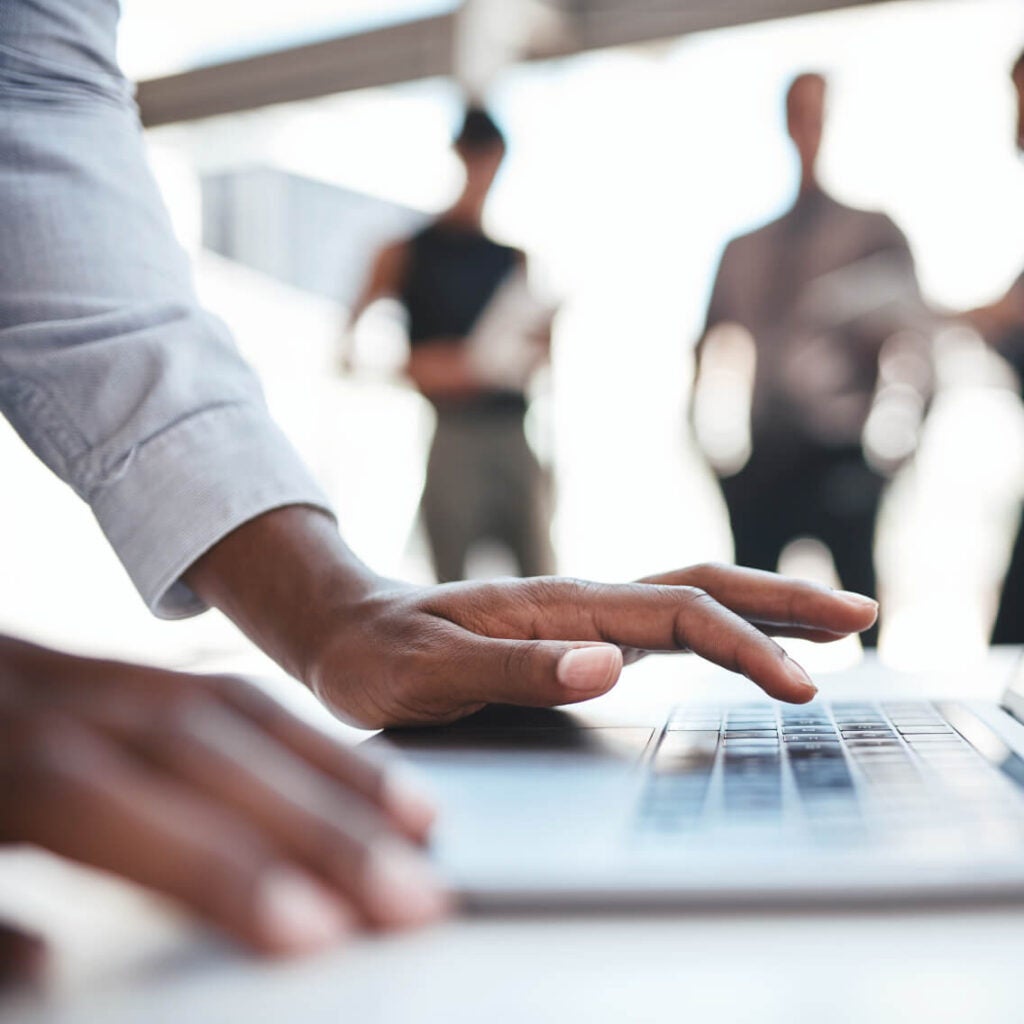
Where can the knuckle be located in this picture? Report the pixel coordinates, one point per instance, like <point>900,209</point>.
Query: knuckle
<point>518,659</point>
<point>48,742</point>
<point>47,753</point>
<point>693,599</point>
<point>546,588</point>
<point>711,570</point>
<point>352,844</point>
<point>575,591</point>
<point>693,595</point>
<point>184,715</point>
<point>539,593</point>
<point>218,884</point>
<point>511,662</point>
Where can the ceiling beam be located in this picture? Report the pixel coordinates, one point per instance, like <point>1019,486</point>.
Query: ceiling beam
<point>400,53</point>
<point>435,46</point>
<point>599,24</point>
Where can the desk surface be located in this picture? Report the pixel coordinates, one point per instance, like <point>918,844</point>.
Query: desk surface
<point>121,957</point>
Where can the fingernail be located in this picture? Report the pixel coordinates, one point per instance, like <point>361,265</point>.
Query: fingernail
<point>800,677</point>
<point>297,914</point>
<point>408,800</point>
<point>402,887</point>
<point>590,669</point>
<point>858,599</point>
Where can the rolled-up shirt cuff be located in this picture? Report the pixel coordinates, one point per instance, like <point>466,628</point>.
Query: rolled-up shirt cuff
<point>180,492</point>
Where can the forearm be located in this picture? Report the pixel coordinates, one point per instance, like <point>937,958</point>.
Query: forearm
<point>109,369</point>
<point>995,321</point>
<point>285,578</point>
<point>441,370</point>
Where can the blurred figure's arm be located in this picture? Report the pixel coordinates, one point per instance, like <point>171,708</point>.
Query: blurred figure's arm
<point>441,370</point>
<point>543,335</point>
<point>383,282</point>
<point>906,370</point>
<point>717,314</point>
<point>996,321</point>
<point>714,316</point>
<point>723,379</point>
<point>438,369</point>
<point>457,368</point>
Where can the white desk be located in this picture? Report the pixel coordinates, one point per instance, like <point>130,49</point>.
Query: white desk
<point>120,959</point>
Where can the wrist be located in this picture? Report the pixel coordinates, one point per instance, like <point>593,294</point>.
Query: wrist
<point>348,666</point>
<point>286,579</point>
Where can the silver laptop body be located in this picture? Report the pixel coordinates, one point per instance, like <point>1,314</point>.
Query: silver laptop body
<point>738,802</point>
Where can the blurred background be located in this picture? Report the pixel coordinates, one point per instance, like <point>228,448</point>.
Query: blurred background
<point>293,141</point>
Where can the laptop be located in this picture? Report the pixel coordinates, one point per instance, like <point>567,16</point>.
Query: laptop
<point>733,802</point>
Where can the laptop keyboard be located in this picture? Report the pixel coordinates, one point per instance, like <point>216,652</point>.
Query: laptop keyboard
<point>830,769</point>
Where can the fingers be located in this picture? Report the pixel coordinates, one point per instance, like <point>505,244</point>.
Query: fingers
<point>722,637</point>
<point>336,834</point>
<point>782,606</point>
<point>389,787</point>
<point>22,956</point>
<point>127,698</point>
<point>534,673</point>
<point>205,790</point>
<point>547,672</point>
<point>79,796</point>
<point>651,618</point>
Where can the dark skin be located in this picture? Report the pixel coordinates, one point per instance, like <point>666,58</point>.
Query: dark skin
<point>805,122</point>
<point>383,653</point>
<point>205,790</point>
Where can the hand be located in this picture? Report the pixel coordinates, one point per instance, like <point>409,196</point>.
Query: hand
<point>408,656</point>
<point>381,653</point>
<point>209,792</point>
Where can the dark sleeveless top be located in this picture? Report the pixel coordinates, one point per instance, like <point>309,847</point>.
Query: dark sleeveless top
<point>451,275</point>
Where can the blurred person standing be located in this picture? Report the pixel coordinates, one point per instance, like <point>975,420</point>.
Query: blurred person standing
<point>1002,325</point>
<point>828,296</point>
<point>476,337</point>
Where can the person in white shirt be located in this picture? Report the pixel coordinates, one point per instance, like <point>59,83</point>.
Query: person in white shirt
<point>199,787</point>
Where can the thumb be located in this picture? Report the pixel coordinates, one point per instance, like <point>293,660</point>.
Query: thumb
<point>537,673</point>
<point>22,956</point>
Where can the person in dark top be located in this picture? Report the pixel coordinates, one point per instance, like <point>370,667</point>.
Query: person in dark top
<point>1002,325</point>
<point>483,481</point>
<point>820,292</point>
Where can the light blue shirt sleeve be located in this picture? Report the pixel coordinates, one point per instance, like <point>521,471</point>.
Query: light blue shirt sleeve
<point>109,368</point>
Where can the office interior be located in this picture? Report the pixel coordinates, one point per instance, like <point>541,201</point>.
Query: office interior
<point>641,138</point>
